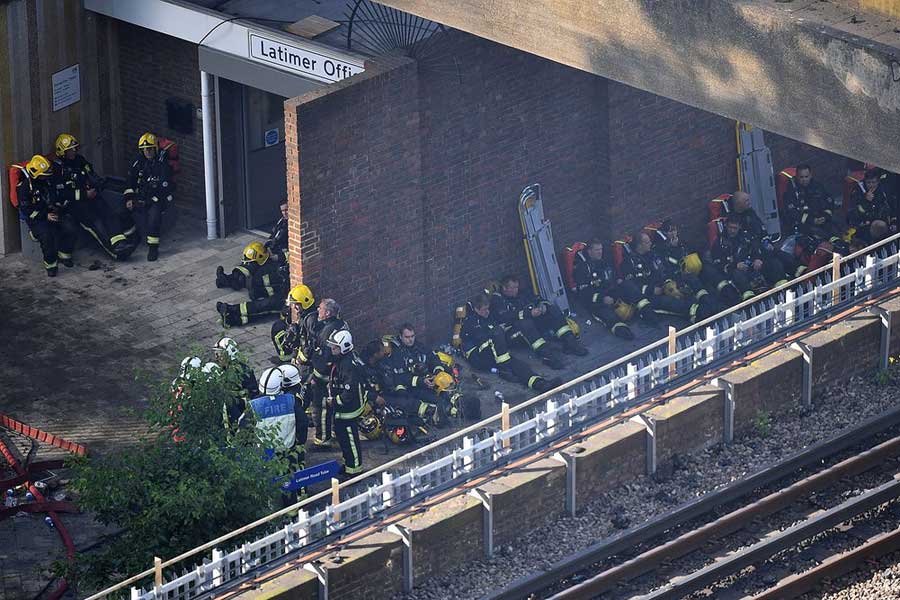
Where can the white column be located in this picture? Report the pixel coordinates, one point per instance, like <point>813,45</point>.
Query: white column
<point>209,167</point>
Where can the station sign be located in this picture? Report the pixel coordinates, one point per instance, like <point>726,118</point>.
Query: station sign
<point>304,61</point>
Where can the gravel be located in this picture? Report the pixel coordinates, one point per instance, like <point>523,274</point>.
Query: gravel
<point>878,580</point>
<point>787,432</point>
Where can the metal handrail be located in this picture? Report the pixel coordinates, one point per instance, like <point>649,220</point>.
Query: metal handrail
<point>559,393</point>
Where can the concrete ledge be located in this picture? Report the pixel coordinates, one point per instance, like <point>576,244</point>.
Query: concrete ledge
<point>844,350</point>
<point>893,309</point>
<point>531,495</point>
<point>609,459</point>
<point>369,568</point>
<point>701,412</point>
<point>446,535</point>
<point>299,584</point>
<point>767,384</point>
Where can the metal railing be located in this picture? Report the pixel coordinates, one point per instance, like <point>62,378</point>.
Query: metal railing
<point>601,393</point>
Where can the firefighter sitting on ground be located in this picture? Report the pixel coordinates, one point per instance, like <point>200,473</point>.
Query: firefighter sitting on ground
<point>739,257</point>
<point>527,317</point>
<point>46,214</point>
<point>871,203</point>
<point>347,392</point>
<point>642,283</point>
<point>78,182</point>
<point>595,284</point>
<point>287,330</point>
<point>484,345</point>
<point>150,187</point>
<point>265,281</point>
<point>808,206</point>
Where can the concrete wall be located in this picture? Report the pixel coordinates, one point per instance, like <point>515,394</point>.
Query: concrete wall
<point>604,461</point>
<point>37,39</point>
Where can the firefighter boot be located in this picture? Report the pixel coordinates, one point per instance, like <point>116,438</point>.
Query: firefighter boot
<point>572,346</point>
<point>542,385</point>
<point>551,357</point>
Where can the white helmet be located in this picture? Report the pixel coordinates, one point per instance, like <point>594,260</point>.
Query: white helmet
<point>210,369</point>
<point>291,375</point>
<point>270,381</point>
<point>188,364</point>
<point>228,346</point>
<point>342,339</point>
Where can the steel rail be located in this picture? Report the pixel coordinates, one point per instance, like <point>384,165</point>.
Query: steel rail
<point>777,542</point>
<point>511,463</point>
<point>641,534</point>
<point>728,524</point>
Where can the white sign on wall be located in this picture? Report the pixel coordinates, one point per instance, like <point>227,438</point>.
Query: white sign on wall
<point>291,58</point>
<point>66,87</point>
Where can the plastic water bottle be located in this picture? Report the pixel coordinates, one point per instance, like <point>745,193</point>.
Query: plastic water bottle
<point>49,521</point>
<point>494,370</point>
<point>10,500</point>
<point>29,497</point>
<point>588,322</point>
<point>498,395</point>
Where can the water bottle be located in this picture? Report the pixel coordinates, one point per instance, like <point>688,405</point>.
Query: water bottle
<point>10,500</point>
<point>498,395</point>
<point>494,370</point>
<point>49,521</point>
<point>29,497</point>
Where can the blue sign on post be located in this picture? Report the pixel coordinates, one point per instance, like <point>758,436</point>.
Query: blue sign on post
<point>310,475</point>
<point>271,137</point>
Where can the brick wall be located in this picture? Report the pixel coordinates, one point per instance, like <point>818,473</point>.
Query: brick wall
<point>154,67</point>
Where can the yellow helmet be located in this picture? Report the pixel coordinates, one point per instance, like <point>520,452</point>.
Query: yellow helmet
<point>38,166</point>
<point>299,294</point>
<point>256,252</point>
<point>574,326</point>
<point>445,359</point>
<point>624,311</point>
<point>671,289</point>
<point>65,141</point>
<point>693,264</point>
<point>369,427</point>
<point>443,382</point>
<point>148,140</point>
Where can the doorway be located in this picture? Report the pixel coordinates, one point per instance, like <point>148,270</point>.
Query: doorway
<point>265,180</point>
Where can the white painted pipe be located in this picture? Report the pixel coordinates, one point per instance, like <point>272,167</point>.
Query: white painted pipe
<point>209,169</point>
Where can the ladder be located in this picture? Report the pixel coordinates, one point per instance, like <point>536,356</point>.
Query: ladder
<point>546,279</point>
<point>756,175</point>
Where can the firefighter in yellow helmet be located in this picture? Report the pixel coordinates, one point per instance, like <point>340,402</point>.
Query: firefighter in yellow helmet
<point>80,185</point>
<point>286,332</point>
<point>595,285</point>
<point>45,213</point>
<point>150,188</point>
<point>265,280</point>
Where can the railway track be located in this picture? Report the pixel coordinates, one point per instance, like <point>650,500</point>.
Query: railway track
<point>836,502</point>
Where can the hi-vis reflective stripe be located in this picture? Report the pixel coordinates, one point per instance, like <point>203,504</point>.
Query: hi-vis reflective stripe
<point>563,330</point>
<point>748,294</point>
<point>63,255</point>
<point>130,230</point>
<point>128,191</point>
<point>538,343</point>
<point>642,304</point>
<point>723,284</point>
<point>244,270</point>
<point>152,240</point>
<point>77,194</point>
<point>267,283</point>
<point>34,214</point>
<point>116,239</point>
<point>50,265</point>
<point>245,315</point>
<point>533,380</point>
<point>618,325</point>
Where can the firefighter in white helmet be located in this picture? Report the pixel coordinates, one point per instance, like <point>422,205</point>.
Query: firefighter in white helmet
<point>347,393</point>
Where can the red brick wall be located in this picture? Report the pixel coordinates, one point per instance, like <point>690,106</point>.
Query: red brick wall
<point>154,67</point>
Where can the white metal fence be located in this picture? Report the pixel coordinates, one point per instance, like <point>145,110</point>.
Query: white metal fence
<point>603,392</point>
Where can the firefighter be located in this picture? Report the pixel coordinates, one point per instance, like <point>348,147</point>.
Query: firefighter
<point>484,345</point>
<point>265,281</point>
<point>753,226</point>
<point>45,214</point>
<point>150,187</point>
<point>739,257</point>
<point>277,244</point>
<point>872,203</point>
<point>526,316</point>
<point>300,303</point>
<point>294,383</point>
<point>275,417</point>
<point>595,284</point>
<point>808,206</point>
<point>642,283</point>
<point>347,393</point>
<point>680,273</point>
<point>410,369</point>
<point>226,353</point>
<point>401,409</point>
<point>78,181</point>
<point>314,353</point>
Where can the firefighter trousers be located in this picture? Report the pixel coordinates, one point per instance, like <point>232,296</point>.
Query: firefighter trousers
<point>494,353</point>
<point>247,312</point>
<point>56,239</point>
<point>347,433</point>
<point>531,329</point>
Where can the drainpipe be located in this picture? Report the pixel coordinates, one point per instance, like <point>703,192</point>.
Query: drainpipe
<point>209,168</point>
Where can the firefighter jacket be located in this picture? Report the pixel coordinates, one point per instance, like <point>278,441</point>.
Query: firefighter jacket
<point>313,349</point>
<point>286,336</point>
<point>751,224</point>
<point>37,197</point>
<point>150,180</point>
<point>729,251</point>
<point>408,366</point>
<point>348,386</point>
<point>644,269</point>
<point>670,261</point>
<point>276,421</point>
<point>594,279</point>
<point>73,178</point>
<point>277,243</point>
<point>507,311</point>
<point>265,280</point>
<point>477,332</point>
<point>804,205</point>
<point>864,211</point>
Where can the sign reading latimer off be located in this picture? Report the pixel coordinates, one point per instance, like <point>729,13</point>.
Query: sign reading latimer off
<point>307,62</point>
